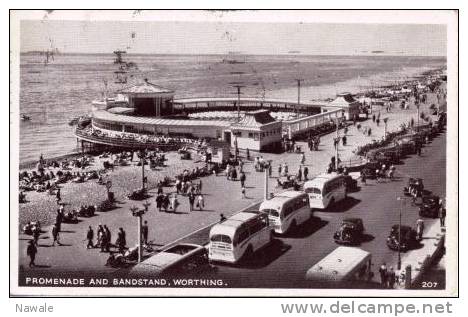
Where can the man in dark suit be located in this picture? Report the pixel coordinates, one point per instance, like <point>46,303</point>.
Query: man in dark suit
<point>31,251</point>
<point>144,232</point>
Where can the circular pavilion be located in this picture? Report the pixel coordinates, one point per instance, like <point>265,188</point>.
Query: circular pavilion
<point>145,113</point>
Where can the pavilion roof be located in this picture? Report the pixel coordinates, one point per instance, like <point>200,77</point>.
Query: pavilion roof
<point>145,88</point>
<point>255,119</point>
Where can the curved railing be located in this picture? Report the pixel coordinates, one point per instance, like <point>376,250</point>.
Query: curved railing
<point>129,143</point>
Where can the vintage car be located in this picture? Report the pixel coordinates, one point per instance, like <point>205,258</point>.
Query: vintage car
<point>138,194</point>
<point>286,182</point>
<point>350,231</point>
<point>401,238</point>
<point>430,206</point>
<point>413,183</point>
<point>407,144</point>
<point>370,169</point>
<point>389,156</point>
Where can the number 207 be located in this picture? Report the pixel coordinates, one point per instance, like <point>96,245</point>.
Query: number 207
<point>429,284</point>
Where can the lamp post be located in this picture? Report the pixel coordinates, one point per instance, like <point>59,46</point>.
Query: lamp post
<point>399,233</point>
<point>143,179</point>
<point>337,142</point>
<point>238,86</point>
<point>138,213</point>
<point>417,107</point>
<point>236,148</point>
<point>298,93</point>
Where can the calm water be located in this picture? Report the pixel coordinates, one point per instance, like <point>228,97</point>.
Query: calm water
<point>63,89</point>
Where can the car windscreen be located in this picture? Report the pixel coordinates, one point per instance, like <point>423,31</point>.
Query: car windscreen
<point>271,212</point>
<point>221,238</point>
<point>312,190</point>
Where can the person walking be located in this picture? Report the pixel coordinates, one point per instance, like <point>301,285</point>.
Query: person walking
<point>383,275</point>
<point>419,229</point>
<point>103,240</point>
<point>303,159</point>
<point>442,214</point>
<point>59,218</point>
<point>178,186</point>
<point>31,251</point>
<point>280,170</point>
<point>344,139</point>
<point>58,196</point>
<point>55,235</point>
<point>242,179</point>
<point>306,172</point>
<point>159,202</point>
<point>241,166</point>
<point>36,234</point>
<point>191,198</point>
<point>159,189</point>
<point>100,235</point>
<point>299,174</point>
<point>144,233</point>
<point>200,186</point>
<point>174,202</point>
<point>200,202</point>
<point>391,277</point>
<point>373,118</point>
<point>90,237</point>
<point>108,236</point>
<point>121,240</point>
<point>165,202</point>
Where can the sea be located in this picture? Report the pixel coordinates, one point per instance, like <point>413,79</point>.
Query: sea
<point>53,93</point>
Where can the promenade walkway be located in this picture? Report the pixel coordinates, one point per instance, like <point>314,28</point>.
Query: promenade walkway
<point>221,196</point>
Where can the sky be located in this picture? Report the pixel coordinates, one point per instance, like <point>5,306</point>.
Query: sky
<point>218,37</point>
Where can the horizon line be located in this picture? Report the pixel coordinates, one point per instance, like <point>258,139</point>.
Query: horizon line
<point>233,55</point>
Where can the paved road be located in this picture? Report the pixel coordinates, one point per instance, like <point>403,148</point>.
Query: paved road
<point>284,263</point>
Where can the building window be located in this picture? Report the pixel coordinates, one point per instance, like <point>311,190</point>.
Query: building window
<point>251,135</point>
<point>256,136</point>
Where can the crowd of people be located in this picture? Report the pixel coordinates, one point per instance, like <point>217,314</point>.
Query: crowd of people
<point>45,179</point>
<point>150,140</point>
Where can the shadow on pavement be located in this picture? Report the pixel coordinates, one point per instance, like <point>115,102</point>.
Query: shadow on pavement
<point>343,205</point>
<point>311,226</point>
<point>265,256</point>
<point>367,238</point>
